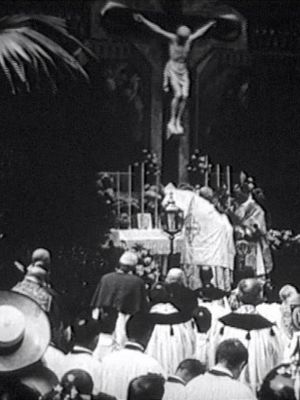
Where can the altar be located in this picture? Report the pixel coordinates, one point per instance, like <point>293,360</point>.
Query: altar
<point>176,226</point>
<point>155,240</point>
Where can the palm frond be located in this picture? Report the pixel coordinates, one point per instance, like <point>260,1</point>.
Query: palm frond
<point>38,48</point>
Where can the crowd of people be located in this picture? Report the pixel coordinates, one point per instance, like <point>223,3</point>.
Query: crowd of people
<point>166,342</point>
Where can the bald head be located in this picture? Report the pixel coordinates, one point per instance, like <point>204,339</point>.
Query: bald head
<point>175,275</point>
<point>287,292</point>
<point>206,192</point>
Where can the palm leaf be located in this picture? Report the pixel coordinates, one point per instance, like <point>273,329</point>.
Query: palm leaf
<point>38,48</point>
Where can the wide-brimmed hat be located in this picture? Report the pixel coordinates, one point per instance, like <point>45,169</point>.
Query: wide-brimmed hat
<point>24,332</point>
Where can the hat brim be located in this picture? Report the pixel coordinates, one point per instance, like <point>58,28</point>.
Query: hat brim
<point>36,337</point>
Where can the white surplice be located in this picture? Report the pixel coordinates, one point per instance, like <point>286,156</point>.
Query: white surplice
<point>82,358</point>
<point>174,388</point>
<point>171,344</point>
<point>54,359</point>
<point>217,308</point>
<point>217,385</point>
<point>265,347</point>
<point>120,367</point>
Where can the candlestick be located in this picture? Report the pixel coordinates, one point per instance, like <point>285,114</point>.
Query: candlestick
<point>228,183</point>
<point>218,182</point>
<point>206,172</point>
<point>142,189</point>
<point>118,196</point>
<point>129,194</point>
<point>156,200</point>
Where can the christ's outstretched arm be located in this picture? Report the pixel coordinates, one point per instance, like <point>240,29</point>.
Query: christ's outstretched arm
<point>154,27</point>
<point>201,31</point>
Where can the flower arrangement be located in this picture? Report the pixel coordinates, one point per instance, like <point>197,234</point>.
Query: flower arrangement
<point>147,268</point>
<point>282,239</point>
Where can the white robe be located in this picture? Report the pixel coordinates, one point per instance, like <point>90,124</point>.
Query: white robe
<point>265,348</point>
<point>83,359</point>
<point>171,344</point>
<point>217,308</point>
<point>106,344</point>
<point>54,360</point>
<point>120,367</point>
<point>174,389</point>
<point>274,312</point>
<point>212,387</point>
<point>207,239</point>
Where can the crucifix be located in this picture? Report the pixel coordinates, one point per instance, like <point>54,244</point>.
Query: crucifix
<point>176,75</point>
<point>222,25</point>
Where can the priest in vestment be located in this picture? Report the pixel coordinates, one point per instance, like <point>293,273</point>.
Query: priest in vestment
<point>207,239</point>
<point>249,220</point>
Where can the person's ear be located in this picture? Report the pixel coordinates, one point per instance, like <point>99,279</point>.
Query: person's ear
<point>186,376</point>
<point>243,365</point>
<point>238,370</point>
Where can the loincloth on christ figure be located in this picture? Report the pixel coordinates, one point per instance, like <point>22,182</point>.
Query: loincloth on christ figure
<point>176,75</point>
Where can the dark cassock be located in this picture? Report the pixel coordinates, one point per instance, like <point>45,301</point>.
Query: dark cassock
<point>121,291</point>
<point>182,297</point>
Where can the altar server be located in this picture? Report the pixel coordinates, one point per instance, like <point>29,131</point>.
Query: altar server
<point>86,333</point>
<point>186,371</point>
<point>121,366</point>
<point>220,383</point>
<point>260,336</point>
<point>173,338</point>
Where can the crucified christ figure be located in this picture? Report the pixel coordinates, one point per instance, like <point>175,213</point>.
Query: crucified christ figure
<point>176,73</point>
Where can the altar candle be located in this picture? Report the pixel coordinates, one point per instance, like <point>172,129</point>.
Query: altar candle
<point>218,176</point>
<point>206,172</point>
<point>228,184</point>
<point>129,194</point>
<point>118,196</point>
<point>142,189</point>
<point>156,201</point>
